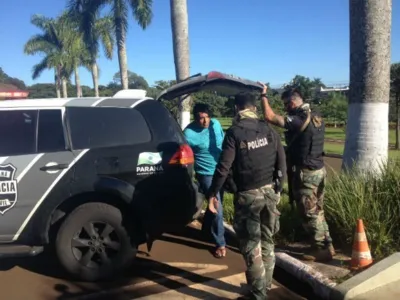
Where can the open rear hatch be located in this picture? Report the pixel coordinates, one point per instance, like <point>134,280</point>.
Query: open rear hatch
<point>223,84</point>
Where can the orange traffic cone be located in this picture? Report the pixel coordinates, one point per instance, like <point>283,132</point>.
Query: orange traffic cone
<point>361,256</point>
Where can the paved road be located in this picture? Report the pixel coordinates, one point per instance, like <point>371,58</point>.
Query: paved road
<point>332,165</point>
<point>179,268</point>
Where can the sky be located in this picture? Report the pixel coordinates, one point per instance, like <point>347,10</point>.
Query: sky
<point>270,41</point>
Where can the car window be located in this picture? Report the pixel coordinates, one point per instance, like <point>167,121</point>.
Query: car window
<point>17,132</point>
<point>50,131</point>
<point>106,127</point>
<point>162,123</point>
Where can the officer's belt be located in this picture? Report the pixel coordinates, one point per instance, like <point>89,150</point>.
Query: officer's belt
<point>305,170</point>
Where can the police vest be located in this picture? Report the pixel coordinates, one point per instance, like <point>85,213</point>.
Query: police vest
<point>256,151</point>
<point>305,150</point>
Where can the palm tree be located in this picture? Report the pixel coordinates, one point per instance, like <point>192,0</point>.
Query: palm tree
<point>180,40</point>
<point>89,10</point>
<point>367,129</point>
<point>61,47</point>
<point>76,50</point>
<point>100,32</point>
<point>44,43</point>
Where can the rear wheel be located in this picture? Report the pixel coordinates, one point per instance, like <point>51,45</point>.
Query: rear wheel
<point>92,243</point>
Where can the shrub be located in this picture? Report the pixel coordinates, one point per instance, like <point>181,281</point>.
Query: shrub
<point>375,199</point>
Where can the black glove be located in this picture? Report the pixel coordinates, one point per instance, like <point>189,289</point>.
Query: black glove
<point>278,187</point>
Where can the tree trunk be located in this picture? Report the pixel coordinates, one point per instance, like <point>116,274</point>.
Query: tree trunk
<point>58,92</point>
<point>64,88</point>
<point>397,123</point>
<point>57,83</point>
<point>180,41</point>
<point>368,113</point>
<point>95,77</point>
<point>122,58</point>
<point>78,83</point>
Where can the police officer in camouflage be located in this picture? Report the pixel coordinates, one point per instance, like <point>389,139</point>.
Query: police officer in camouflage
<point>253,153</point>
<point>305,133</point>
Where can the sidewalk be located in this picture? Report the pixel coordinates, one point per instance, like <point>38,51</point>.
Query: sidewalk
<point>390,291</point>
<point>216,288</point>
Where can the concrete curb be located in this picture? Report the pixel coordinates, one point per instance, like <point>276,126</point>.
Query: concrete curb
<point>383,273</point>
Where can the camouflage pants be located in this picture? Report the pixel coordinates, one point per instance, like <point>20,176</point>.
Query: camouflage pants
<point>256,221</point>
<point>308,191</point>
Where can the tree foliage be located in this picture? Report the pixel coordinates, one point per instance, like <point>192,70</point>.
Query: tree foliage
<point>135,81</point>
<point>334,107</point>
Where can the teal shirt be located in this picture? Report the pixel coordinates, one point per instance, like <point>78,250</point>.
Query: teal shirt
<point>206,144</point>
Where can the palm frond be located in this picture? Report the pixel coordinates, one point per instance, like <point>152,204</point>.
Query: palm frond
<point>41,21</point>
<point>104,31</point>
<point>120,16</point>
<point>142,12</point>
<point>38,69</point>
<point>38,43</point>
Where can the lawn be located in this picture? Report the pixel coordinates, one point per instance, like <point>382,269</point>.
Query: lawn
<point>336,134</point>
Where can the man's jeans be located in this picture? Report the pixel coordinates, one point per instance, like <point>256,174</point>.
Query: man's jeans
<point>211,220</point>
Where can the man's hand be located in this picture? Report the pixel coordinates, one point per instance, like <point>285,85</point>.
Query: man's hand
<point>265,88</point>
<point>213,205</point>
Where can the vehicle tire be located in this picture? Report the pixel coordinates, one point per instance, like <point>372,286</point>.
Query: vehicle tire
<point>93,244</point>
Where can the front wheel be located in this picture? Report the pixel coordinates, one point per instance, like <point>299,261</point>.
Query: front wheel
<point>92,243</point>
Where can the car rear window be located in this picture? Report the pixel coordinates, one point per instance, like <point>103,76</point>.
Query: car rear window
<point>17,132</point>
<point>96,127</point>
<point>50,131</point>
<point>161,122</point>
<point>31,131</point>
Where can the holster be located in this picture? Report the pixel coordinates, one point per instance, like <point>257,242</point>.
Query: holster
<point>290,176</point>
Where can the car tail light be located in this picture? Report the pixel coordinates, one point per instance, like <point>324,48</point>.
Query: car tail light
<point>215,75</point>
<point>184,156</point>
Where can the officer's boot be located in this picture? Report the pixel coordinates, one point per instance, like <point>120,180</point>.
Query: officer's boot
<point>331,249</point>
<point>319,255</point>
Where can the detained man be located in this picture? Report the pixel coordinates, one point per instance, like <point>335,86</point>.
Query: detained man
<point>205,135</point>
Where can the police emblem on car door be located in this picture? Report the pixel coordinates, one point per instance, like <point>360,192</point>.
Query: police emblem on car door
<point>8,188</point>
<point>34,162</point>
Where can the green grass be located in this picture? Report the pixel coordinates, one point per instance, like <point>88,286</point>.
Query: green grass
<point>337,134</point>
<point>338,148</point>
<point>371,198</point>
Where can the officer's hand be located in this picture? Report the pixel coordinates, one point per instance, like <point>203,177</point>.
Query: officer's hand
<point>213,205</point>
<point>265,88</point>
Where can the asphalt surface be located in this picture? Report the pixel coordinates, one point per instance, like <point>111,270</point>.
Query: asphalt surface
<point>180,266</point>
<point>332,164</point>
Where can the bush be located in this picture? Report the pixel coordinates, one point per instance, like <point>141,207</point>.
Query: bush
<point>350,196</point>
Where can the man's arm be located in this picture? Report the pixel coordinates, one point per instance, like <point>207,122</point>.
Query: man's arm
<point>270,115</point>
<point>224,165</point>
<point>219,132</point>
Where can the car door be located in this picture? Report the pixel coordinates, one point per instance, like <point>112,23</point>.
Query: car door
<point>224,84</point>
<point>34,157</point>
